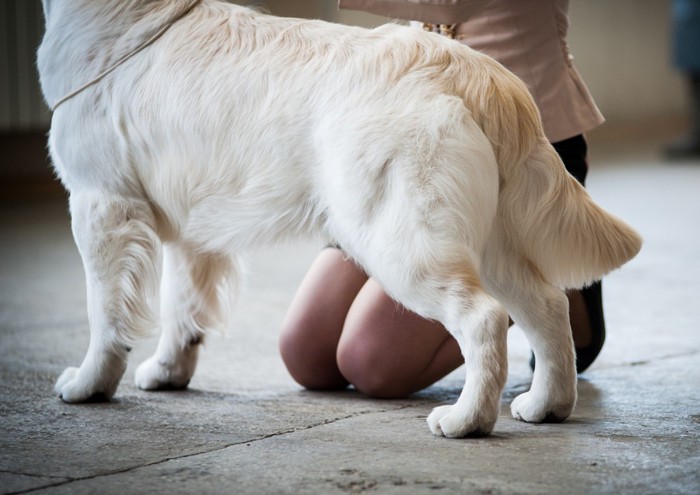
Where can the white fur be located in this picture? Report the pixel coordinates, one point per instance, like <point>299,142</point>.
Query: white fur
<point>425,160</point>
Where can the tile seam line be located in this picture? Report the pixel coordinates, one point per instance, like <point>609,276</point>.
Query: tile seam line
<point>67,480</point>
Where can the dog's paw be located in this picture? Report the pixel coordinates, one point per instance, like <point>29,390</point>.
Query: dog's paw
<point>154,375</point>
<point>74,386</point>
<point>454,422</point>
<point>532,409</point>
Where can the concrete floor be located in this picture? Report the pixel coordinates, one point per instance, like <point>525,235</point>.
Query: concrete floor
<point>245,427</point>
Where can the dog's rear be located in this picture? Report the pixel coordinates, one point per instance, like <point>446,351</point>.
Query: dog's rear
<point>548,235</point>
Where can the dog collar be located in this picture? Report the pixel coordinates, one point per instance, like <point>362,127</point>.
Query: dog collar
<point>126,57</point>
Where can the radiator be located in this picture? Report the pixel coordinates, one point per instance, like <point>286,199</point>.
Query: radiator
<point>21,105</point>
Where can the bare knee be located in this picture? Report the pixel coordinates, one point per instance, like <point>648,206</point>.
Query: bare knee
<point>309,359</point>
<point>371,370</point>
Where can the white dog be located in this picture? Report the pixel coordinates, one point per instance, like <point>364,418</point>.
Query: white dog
<point>190,131</point>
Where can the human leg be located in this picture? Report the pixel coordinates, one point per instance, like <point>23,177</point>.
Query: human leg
<point>387,351</point>
<point>314,322</point>
<point>343,328</point>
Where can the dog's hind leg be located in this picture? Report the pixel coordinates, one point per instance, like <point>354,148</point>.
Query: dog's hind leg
<point>481,331</point>
<point>418,225</point>
<point>121,257</point>
<point>448,289</point>
<point>541,311</point>
<point>194,299</point>
<point>430,268</point>
<point>545,321</point>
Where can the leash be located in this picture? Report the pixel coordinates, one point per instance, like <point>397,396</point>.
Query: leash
<point>126,57</point>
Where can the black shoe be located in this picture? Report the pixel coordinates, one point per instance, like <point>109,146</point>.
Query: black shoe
<point>585,356</point>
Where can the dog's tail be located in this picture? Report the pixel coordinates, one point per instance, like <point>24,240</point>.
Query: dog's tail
<point>547,214</point>
<point>567,237</point>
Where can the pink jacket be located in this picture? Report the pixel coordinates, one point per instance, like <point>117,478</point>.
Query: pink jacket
<point>435,11</point>
<point>528,37</point>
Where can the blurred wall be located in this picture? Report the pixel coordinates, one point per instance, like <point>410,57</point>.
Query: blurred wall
<point>623,50</point>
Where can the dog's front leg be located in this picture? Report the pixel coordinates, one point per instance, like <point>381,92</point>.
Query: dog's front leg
<point>195,293</point>
<point>120,253</point>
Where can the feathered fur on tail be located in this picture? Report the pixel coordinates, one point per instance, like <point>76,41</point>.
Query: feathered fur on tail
<point>547,214</point>
<point>567,237</point>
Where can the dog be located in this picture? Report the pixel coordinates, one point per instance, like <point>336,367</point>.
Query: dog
<point>187,132</point>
